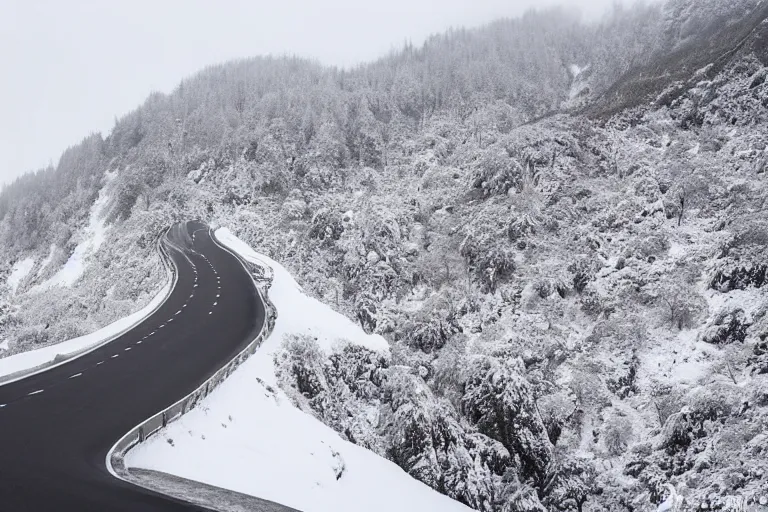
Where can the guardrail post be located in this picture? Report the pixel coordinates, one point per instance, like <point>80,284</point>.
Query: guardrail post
<point>193,399</point>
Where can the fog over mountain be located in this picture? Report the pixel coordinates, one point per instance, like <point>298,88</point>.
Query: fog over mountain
<point>77,66</point>
<point>558,225</point>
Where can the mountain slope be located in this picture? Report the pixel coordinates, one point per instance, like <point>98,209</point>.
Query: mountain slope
<point>557,227</point>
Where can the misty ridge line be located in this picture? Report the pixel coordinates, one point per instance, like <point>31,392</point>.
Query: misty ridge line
<point>394,54</point>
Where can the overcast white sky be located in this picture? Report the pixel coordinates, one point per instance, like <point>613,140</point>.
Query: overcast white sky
<point>71,67</point>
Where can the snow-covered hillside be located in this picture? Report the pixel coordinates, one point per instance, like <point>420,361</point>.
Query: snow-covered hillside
<point>559,228</point>
<point>248,437</point>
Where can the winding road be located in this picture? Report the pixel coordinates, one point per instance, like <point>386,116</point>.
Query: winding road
<point>57,427</point>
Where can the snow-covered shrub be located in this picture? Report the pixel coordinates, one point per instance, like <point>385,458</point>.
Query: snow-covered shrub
<point>366,313</point>
<point>588,388</point>
<point>625,384</point>
<point>497,398</point>
<point>727,327</point>
<point>556,409</point>
<point>617,434</point>
<point>583,271</point>
<point>496,173</point>
<point>681,304</point>
<point>448,369</point>
<point>569,483</point>
<point>739,277</point>
<point>489,266</point>
<point>294,206</point>
<point>360,369</point>
<point>300,365</point>
<point>427,335</point>
<point>651,245</point>
<point>32,336</point>
<point>429,443</point>
<point>326,227</point>
<point>713,402</point>
<point>521,497</point>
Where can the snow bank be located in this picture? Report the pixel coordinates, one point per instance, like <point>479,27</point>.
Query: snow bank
<point>247,436</point>
<point>313,317</point>
<point>20,270</point>
<point>41,356</point>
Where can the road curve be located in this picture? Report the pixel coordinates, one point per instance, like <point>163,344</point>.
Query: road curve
<point>56,427</point>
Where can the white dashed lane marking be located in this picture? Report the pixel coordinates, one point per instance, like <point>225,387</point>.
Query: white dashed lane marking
<point>100,362</point>
<point>138,342</point>
<point>76,375</point>
<point>215,303</point>
<point>35,392</point>
<point>114,356</point>
<point>2,405</point>
<point>127,349</point>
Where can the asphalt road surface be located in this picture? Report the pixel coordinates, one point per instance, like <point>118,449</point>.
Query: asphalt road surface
<point>56,427</point>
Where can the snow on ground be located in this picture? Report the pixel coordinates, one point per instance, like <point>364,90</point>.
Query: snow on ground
<point>248,437</point>
<point>20,270</point>
<point>315,318</point>
<point>682,360</point>
<point>46,261</point>
<point>34,358</point>
<point>93,237</point>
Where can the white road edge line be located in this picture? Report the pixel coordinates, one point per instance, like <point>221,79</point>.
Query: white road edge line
<point>174,277</point>
<point>108,458</point>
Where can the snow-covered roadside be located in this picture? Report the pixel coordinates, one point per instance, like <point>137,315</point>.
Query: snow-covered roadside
<point>35,358</point>
<point>247,436</point>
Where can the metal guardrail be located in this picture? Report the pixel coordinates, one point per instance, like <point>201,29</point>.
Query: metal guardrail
<point>154,424</point>
<point>59,359</point>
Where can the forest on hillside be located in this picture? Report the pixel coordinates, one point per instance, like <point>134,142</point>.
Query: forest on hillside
<point>559,227</point>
